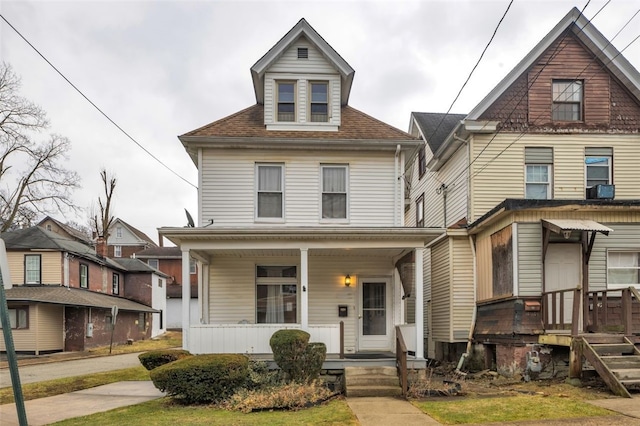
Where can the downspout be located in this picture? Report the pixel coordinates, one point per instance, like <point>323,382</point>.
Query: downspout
<point>396,190</point>
<point>475,308</point>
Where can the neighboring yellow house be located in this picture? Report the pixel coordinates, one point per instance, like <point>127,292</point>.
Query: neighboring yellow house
<point>538,187</point>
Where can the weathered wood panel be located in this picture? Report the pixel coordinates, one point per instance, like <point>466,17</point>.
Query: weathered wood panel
<point>502,261</point>
<point>484,268</point>
<point>506,318</point>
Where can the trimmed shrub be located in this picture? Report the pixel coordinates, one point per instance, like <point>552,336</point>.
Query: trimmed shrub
<point>312,360</point>
<point>202,379</point>
<point>260,376</point>
<point>288,347</point>
<point>153,359</point>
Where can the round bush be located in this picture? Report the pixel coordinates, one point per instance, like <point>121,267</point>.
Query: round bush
<point>312,360</point>
<point>202,379</point>
<point>288,347</point>
<point>153,359</point>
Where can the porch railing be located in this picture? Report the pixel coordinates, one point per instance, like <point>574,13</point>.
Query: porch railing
<point>401,361</point>
<point>612,310</point>
<point>561,310</point>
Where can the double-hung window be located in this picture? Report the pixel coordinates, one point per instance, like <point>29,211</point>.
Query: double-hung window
<point>270,193</point>
<point>115,283</point>
<point>276,294</point>
<point>119,232</point>
<point>117,251</point>
<point>567,100</point>
<point>32,269</point>
<point>193,268</point>
<point>623,269</point>
<point>319,102</point>
<point>334,191</point>
<point>286,101</point>
<point>538,170</point>
<point>422,162</point>
<point>84,275</point>
<point>420,211</point>
<point>154,263</point>
<point>597,162</point>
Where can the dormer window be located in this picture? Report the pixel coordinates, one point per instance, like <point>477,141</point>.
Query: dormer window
<point>286,101</point>
<point>567,100</point>
<point>319,102</point>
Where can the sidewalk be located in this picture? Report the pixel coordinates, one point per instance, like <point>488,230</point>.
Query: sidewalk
<point>52,409</point>
<point>382,411</point>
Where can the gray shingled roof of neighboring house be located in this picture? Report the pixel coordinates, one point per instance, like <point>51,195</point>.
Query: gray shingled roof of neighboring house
<point>137,265</point>
<point>160,253</point>
<point>59,295</point>
<point>75,233</point>
<point>429,123</point>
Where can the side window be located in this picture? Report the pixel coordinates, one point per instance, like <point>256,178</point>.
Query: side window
<point>154,263</point>
<point>319,102</point>
<point>623,269</point>
<point>422,162</point>
<point>193,269</point>
<point>117,251</point>
<point>269,191</point>
<point>538,171</point>
<point>420,211</point>
<point>334,191</point>
<point>598,170</point>
<point>32,269</point>
<point>115,283</point>
<point>286,101</point>
<point>84,275</point>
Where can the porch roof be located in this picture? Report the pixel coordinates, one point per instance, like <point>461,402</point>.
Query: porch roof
<point>309,237</point>
<point>559,225</point>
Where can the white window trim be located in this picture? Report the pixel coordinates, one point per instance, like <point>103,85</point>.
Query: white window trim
<point>619,286</point>
<point>296,115</point>
<point>610,165</point>
<point>119,232</point>
<point>193,267</point>
<point>420,211</point>
<point>309,101</point>
<point>277,281</point>
<point>255,196</point>
<point>117,251</point>
<point>549,182</point>
<point>346,219</point>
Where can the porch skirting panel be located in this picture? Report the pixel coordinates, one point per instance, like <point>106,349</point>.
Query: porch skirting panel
<point>253,338</point>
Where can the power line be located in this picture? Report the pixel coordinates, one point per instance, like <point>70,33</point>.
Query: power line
<point>94,105</point>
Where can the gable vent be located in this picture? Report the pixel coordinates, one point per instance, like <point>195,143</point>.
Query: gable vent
<point>303,53</point>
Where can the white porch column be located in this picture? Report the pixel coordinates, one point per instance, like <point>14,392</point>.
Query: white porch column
<point>186,298</point>
<point>419,283</point>
<point>304,283</point>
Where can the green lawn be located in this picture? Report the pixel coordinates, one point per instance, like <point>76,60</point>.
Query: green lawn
<point>507,409</point>
<point>164,412</point>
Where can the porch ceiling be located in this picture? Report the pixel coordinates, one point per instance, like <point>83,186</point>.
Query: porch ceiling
<point>371,252</point>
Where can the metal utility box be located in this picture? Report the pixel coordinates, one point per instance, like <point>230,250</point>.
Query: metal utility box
<point>343,311</point>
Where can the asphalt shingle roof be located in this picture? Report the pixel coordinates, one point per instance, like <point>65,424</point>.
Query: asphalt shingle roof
<point>72,297</point>
<point>160,253</point>
<point>250,123</point>
<point>429,122</point>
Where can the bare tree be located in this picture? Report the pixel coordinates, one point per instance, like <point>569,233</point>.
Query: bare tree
<point>33,180</point>
<point>102,223</point>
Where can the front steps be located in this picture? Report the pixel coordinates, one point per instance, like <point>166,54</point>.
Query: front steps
<point>371,381</point>
<point>616,359</point>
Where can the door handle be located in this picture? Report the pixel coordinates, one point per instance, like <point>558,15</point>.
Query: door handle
<point>359,316</point>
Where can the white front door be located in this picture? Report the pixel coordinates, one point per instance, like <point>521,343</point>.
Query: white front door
<point>375,316</point>
<point>563,270</point>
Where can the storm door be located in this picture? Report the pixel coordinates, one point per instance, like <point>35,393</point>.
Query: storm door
<point>375,315</point>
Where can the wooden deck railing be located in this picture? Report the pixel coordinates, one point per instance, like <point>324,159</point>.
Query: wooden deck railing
<point>401,361</point>
<point>612,310</point>
<point>556,315</point>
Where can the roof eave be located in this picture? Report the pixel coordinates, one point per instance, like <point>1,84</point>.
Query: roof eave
<point>194,142</point>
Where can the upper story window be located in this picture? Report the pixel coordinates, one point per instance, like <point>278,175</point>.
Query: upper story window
<point>422,162</point>
<point>286,101</point>
<point>334,192</point>
<point>32,269</point>
<point>567,100</point>
<point>420,211</point>
<point>538,170</point>
<point>319,102</point>
<point>597,162</point>
<point>117,251</point>
<point>115,283</point>
<point>48,227</point>
<point>154,263</point>
<point>84,275</point>
<point>119,232</point>
<point>269,191</point>
<point>192,267</point>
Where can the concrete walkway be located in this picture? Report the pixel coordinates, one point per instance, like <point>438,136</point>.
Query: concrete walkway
<point>383,411</point>
<point>52,409</point>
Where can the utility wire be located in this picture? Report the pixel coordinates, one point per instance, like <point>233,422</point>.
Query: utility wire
<point>94,105</point>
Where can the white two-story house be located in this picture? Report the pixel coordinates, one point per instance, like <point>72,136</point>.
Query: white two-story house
<point>300,214</point>
<point>539,190</point>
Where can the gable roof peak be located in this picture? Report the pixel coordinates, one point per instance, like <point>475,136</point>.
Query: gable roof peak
<point>302,28</point>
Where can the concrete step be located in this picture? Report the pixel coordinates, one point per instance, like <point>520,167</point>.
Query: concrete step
<point>361,391</point>
<point>372,380</point>
<point>367,371</point>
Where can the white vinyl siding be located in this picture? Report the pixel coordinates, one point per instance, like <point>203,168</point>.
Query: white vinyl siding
<point>233,283</point>
<point>441,291</point>
<point>462,287</point>
<point>505,171</point>
<point>623,237</point>
<point>371,186</point>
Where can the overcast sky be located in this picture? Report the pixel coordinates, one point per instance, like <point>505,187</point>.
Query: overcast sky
<point>162,68</point>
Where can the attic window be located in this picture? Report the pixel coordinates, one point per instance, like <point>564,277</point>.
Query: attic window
<point>567,100</point>
<point>303,53</point>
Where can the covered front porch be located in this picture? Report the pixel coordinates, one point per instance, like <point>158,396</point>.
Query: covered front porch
<point>340,285</point>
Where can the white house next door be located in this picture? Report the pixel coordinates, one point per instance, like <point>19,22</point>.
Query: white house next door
<point>375,315</point>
